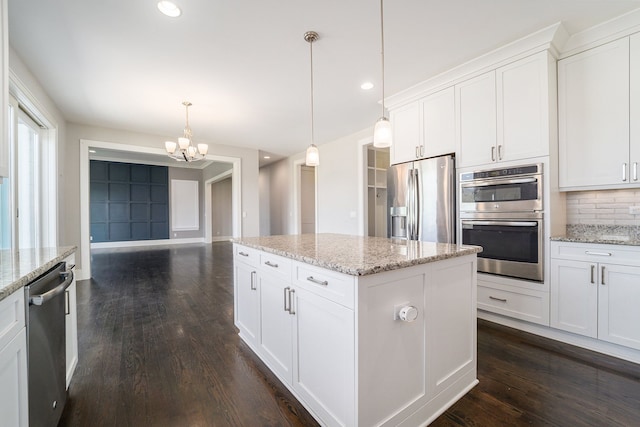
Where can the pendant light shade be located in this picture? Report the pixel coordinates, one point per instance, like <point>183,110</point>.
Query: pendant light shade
<point>313,156</point>
<point>382,133</point>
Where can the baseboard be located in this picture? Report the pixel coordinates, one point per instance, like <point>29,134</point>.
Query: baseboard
<point>137,243</point>
<point>618,351</point>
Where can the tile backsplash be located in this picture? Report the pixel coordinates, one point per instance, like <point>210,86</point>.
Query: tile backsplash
<point>603,207</point>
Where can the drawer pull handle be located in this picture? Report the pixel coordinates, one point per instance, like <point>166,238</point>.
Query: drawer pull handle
<point>498,299</point>
<point>271,264</point>
<point>593,272</point>
<point>598,253</point>
<point>243,254</point>
<point>254,287</point>
<point>318,282</point>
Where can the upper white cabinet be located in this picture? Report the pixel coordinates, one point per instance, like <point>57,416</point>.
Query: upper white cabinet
<point>438,123</point>
<point>634,105</point>
<point>4,90</point>
<point>593,111</point>
<point>476,113</point>
<point>505,114</point>
<point>405,122</point>
<point>424,128</point>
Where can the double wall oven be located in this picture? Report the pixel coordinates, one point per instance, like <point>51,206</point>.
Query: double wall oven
<point>501,210</point>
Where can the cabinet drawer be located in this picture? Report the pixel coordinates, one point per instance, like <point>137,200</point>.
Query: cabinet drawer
<point>334,286</point>
<point>274,264</point>
<point>531,306</point>
<point>245,254</point>
<point>11,316</point>
<point>612,254</point>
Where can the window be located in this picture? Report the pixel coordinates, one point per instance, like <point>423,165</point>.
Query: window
<point>28,206</point>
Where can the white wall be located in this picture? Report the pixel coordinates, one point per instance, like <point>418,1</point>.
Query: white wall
<point>221,212</point>
<point>187,175</point>
<point>337,183</point>
<point>46,106</point>
<point>264,181</point>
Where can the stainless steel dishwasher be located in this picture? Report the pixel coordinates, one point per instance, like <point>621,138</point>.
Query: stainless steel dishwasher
<point>46,352</point>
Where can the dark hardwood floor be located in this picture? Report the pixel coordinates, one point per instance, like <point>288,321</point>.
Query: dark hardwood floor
<point>158,348</point>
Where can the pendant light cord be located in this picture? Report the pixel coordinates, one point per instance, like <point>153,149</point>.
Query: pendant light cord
<point>311,52</point>
<point>382,49</point>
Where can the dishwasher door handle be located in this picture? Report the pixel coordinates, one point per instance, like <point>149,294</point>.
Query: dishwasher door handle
<point>42,298</point>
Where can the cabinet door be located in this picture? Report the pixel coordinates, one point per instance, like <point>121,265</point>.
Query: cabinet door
<point>275,325</point>
<point>476,114</point>
<point>523,108</point>
<point>619,298</point>
<point>574,297</point>
<point>14,398</point>
<point>634,105</point>
<point>593,114</point>
<point>405,122</point>
<point>439,123</point>
<point>247,309</point>
<point>324,374</point>
<point>71,331</point>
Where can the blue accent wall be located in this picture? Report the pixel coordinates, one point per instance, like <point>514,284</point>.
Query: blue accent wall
<point>128,201</point>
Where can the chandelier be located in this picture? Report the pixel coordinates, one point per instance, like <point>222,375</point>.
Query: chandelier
<point>312,157</point>
<point>184,150</point>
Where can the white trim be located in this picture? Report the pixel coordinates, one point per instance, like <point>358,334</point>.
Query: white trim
<point>84,248</point>
<point>208,214</point>
<point>565,337</point>
<point>363,225</point>
<point>138,243</point>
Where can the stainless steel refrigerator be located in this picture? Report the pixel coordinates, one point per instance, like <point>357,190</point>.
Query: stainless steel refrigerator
<point>421,200</point>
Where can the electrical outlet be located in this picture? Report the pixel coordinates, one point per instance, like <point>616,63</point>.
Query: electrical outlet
<point>634,210</point>
<point>397,308</point>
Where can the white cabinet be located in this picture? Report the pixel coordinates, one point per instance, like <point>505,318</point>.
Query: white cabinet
<point>4,90</point>
<point>438,123</point>
<point>506,114</point>
<point>405,125</point>
<point>14,398</point>
<point>476,113</point>
<point>336,342</point>
<point>71,325</point>
<point>424,128</point>
<point>246,296</point>
<point>594,102</point>
<point>525,92</point>
<point>595,291</point>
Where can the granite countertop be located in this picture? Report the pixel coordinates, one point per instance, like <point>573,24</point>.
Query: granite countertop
<point>18,268</point>
<point>356,255</point>
<point>601,234</point>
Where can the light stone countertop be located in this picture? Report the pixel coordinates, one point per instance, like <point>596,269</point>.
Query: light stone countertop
<point>356,255</point>
<point>18,268</point>
<point>601,234</point>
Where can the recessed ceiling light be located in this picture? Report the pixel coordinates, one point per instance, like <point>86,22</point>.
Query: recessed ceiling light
<point>266,157</point>
<point>169,8</point>
<point>366,86</point>
<point>92,151</point>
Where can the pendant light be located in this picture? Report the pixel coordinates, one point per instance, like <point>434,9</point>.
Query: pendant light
<point>382,131</point>
<point>184,150</point>
<point>313,156</point>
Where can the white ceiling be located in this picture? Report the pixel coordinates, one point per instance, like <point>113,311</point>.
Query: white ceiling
<point>245,65</point>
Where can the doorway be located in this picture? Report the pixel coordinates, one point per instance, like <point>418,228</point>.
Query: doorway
<point>307,199</point>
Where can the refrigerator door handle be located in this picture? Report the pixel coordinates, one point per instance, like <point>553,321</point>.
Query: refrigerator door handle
<point>410,204</point>
<point>416,201</point>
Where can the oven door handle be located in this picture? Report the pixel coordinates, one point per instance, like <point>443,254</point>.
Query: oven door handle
<point>506,223</point>
<point>43,298</point>
<point>499,181</point>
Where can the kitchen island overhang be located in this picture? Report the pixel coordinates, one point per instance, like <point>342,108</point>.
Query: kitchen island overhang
<point>364,331</point>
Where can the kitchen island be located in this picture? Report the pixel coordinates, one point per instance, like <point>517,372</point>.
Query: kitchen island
<point>364,331</point>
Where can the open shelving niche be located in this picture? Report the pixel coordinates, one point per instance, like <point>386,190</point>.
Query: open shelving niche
<point>377,165</point>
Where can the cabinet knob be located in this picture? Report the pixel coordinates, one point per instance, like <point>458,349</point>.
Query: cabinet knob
<point>408,313</point>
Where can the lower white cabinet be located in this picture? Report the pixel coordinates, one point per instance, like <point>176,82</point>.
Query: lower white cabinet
<point>71,325</point>
<point>595,291</point>
<point>337,343</point>
<point>14,397</point>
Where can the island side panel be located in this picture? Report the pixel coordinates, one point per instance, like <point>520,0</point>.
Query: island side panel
<point>410,372</point>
